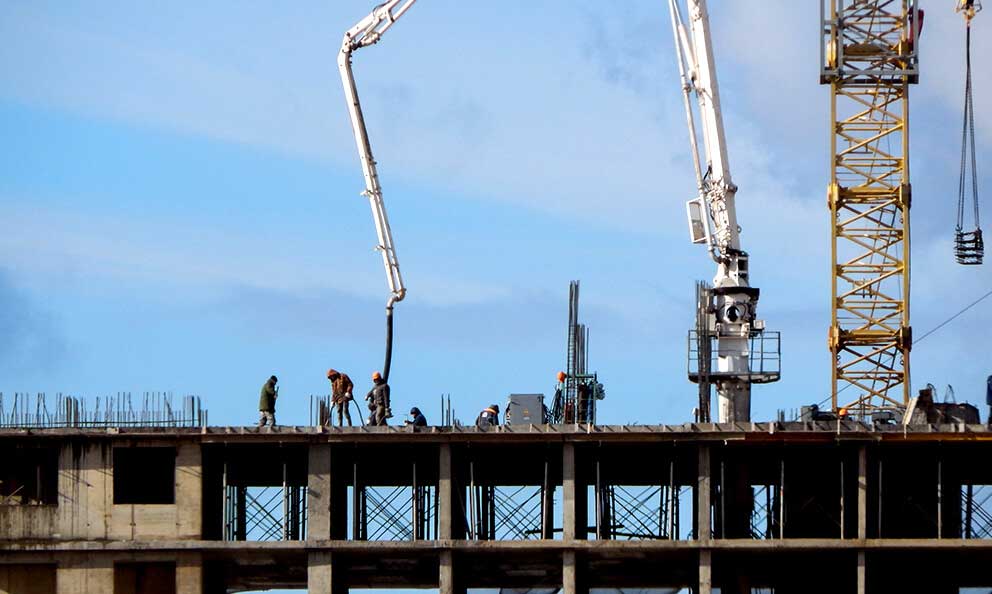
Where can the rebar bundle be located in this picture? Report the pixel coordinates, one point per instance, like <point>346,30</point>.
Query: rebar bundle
<point>155,410</point>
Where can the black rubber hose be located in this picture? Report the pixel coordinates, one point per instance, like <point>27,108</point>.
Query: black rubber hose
<point>389,343</point>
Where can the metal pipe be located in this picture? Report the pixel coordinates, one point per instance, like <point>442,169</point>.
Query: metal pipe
<point>472,502</point>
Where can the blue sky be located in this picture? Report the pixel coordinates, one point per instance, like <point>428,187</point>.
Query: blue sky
<point>180,193</point>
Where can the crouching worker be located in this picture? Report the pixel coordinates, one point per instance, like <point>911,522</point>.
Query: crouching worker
<point>341,394</point>
<point>489,417</point>
<point>378,399</point>
<point>418,418</point>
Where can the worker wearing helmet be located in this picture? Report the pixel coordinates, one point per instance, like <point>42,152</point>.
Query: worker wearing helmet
<point>378,399</point>
<point>341,394</point>
<point>559,400</point>
<point>419,420</point>
<point>267,402</point>
<point>489,417</point>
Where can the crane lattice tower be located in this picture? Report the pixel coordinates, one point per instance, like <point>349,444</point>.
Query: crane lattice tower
<point>869,58</point>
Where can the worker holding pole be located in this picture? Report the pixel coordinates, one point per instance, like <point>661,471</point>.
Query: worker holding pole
<point>341,394</point>
<point>378,399</point>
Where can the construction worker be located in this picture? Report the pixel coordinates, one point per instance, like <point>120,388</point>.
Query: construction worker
<point>341,394</point>
<point>419,420</point>
<point>267,402</point>
<point>489,417</point>
<point>378,399</point>
<point>988,397</point>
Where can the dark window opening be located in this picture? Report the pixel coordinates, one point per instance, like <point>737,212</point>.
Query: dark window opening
<point>29,476</point>
<point>29,578</point>
<point>144,578</point>
<point>144,475</point>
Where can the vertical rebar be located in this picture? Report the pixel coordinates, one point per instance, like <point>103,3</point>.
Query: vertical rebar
<point>226,498</point>
<point>472,499</point>
<point>940,499</point>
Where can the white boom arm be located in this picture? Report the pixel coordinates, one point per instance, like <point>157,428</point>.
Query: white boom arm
<point>713,216</point>
<point>716,189</point>
<point>366,32</point>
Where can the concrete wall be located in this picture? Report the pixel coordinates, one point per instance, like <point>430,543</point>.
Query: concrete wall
<point>80,573</point>
<point>86,510</point>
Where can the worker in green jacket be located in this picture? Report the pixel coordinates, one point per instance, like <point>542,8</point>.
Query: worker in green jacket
<point>267,403</point>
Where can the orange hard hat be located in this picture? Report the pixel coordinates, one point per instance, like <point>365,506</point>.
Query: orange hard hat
<point>331,373</point>
<point>561,376</point>
<point>842,412</point>
<point>376,375</point>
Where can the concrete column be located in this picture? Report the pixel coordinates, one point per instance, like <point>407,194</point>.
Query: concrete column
<point>85,491</point>
<point>189,573</point>
<point>569,493</point>
<point>862,575</point>
<point>705,572</point>
<point>320,574</point>
<point>447,583</point>
<point>548,504</point>
<point>572,581</point>
<point>189,492</point>
<point>703,495</point>
<point>862,492</point>
<point>82,573</point>
<point>319,492</point>
<point>445,495</point>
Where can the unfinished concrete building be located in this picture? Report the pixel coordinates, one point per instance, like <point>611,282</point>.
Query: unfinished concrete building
<point>763,507</point>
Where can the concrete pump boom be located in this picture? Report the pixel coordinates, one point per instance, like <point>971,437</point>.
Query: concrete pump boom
<point>713,221</point>
<point>366,32</point>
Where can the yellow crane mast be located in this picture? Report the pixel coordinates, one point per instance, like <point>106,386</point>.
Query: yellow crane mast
<point>869,58</point>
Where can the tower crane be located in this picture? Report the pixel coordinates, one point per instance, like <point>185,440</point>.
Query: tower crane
<point>869,55</point>
<point>366,32</point>
<point>727,311</point>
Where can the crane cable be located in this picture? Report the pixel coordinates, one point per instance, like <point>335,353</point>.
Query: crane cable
<point>969,247</point>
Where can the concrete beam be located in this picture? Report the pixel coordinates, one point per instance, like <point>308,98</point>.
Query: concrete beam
<point>319,492</point>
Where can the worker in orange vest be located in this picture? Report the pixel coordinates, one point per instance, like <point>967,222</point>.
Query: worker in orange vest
<point>489,417</point>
